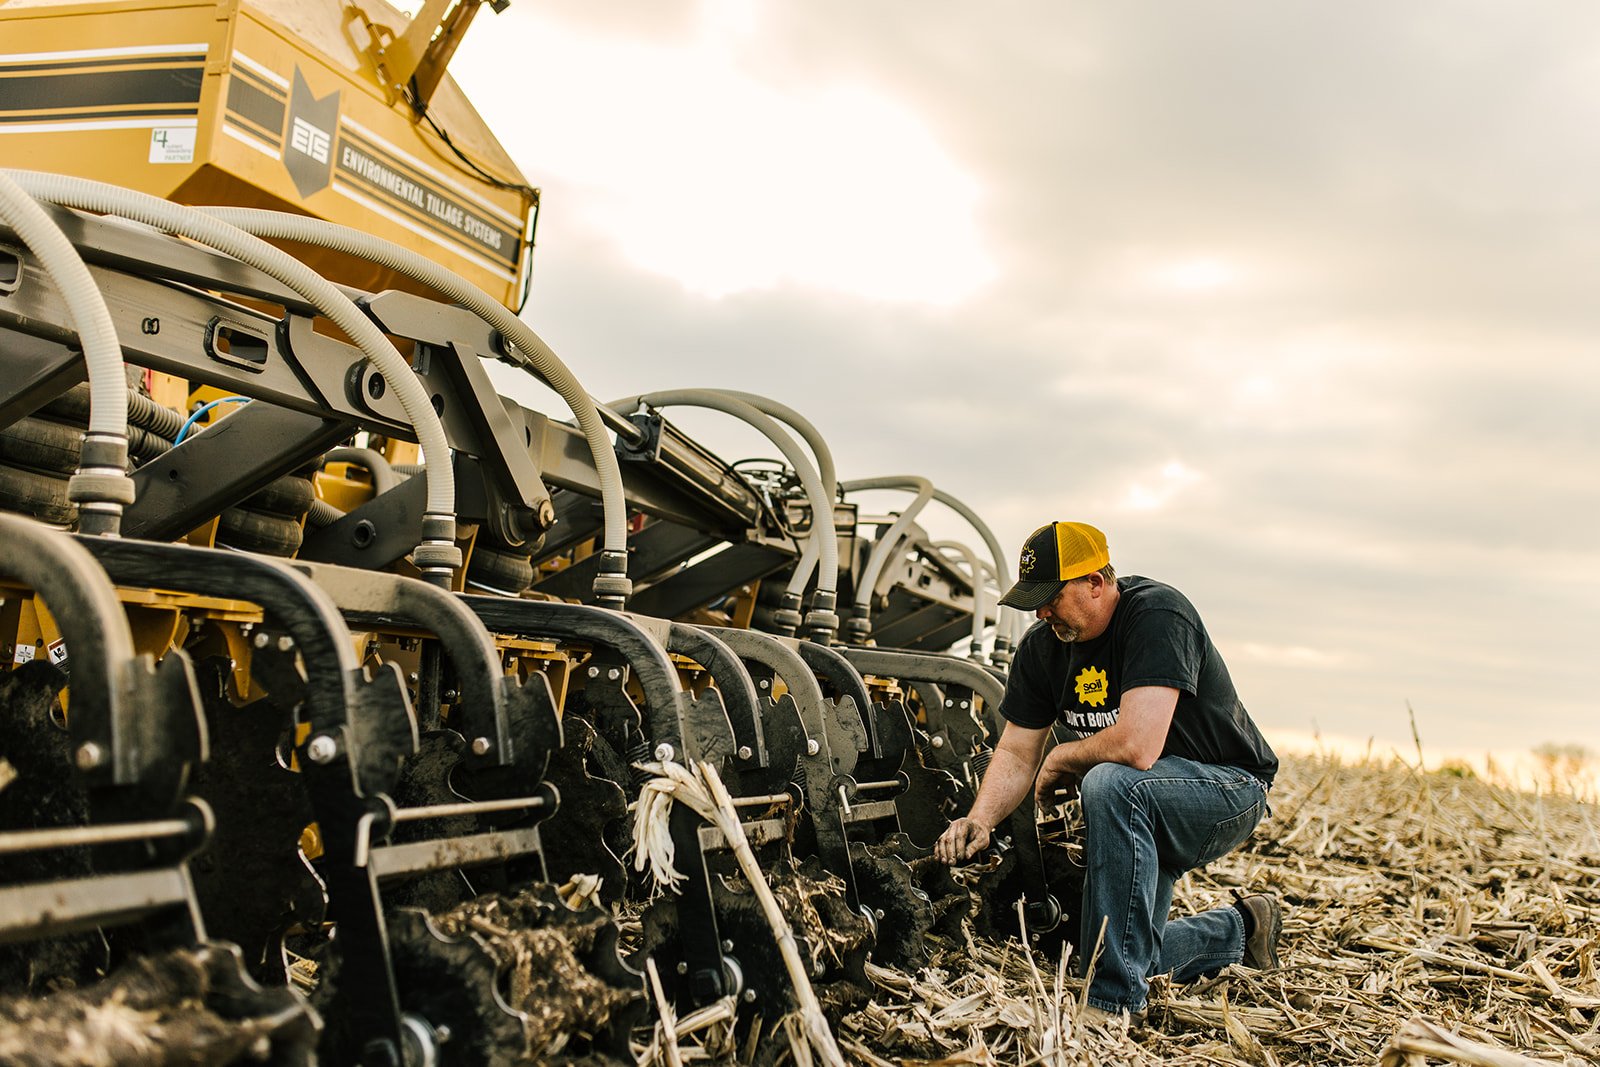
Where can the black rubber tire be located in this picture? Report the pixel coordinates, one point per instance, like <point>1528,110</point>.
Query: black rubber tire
<point>71,406</point>
<point>269,535</point>
<point>38,495</point>
<point>504,571</point>
<point>44,444</point>
<point>289,497</point>
<point>41,445</point>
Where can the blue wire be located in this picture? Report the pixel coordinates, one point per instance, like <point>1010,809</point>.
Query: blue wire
<point>190,421</point>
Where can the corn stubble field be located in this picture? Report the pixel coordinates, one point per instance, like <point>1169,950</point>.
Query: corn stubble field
<point>1429,918</point>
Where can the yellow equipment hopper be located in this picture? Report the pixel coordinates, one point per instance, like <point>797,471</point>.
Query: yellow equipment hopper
<point>337,110</point>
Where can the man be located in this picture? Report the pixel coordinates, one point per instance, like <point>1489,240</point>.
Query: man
<point>1171,770</point>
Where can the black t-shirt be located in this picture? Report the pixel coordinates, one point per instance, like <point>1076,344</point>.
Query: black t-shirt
<point>1155,638</point>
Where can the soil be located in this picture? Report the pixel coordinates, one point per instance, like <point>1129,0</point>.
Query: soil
<point>559,969</point>
<point>155,1012</point>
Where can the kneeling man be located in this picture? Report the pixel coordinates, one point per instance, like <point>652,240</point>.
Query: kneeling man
<point>1170,767</point>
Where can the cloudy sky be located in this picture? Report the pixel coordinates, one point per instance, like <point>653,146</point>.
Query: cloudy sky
<point>1300,302</point>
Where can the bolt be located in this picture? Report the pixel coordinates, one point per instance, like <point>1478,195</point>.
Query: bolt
<point>938,742</point>
<point>261,640</point>
<point>878,912</point>
<point>480,746</point>
<point>683,968</point>
<point>812,748</point>
<point>745,752</point>
<point>949,703</point>
<point>441,1033</point>
<point>450,696</point>
<point>613,674</point>
<point>765,684</point>
<point>965,704</point>
<point>664,752</point>
<point>322,749</point>
<point>412,677</point>
<point>594,672</point>
<point>285,643</point>
<point>749,996</point>
<point>90,756</point>
<point>727,945</point>
<point>547,513</point>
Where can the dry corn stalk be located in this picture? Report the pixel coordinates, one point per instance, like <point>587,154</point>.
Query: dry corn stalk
<point>701,789</point>
<point>1419,1038</point>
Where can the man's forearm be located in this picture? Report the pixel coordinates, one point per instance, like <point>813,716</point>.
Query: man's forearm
<point>1007,781</point>
<point>1136,739</point>
<point>1079,756</point>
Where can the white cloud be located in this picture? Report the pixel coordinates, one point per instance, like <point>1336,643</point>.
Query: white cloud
<point>698,168</point>
<point>1288,656</point>
<point>1196,275</point>
<point>1156,492</point>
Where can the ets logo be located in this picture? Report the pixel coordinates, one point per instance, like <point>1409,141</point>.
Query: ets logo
<point>306,138</point>
<point>312,123</point>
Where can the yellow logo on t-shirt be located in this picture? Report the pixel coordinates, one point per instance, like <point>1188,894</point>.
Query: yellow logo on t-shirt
<point>1092,685</point>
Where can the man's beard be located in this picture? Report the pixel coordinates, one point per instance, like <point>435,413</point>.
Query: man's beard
<point>1064,633</point>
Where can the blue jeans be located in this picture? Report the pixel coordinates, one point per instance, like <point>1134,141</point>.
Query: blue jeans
<point>1142,831</point>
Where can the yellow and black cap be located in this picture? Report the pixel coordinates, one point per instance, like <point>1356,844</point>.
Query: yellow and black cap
<point>1052,557</point>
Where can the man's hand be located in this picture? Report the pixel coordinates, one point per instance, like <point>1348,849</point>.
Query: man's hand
<point>1053,776</point>
<point>961,840</point>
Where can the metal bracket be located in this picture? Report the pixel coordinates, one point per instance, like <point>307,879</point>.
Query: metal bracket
<point>239,455</point>
<point>733,682</point>
<point>647,448</point>
<point>132,721</point>
<point>378,599</point>
<point>578,622</point>
<point>453,341</point>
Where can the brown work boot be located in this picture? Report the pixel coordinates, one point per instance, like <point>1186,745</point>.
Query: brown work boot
<point>1266,926</point>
